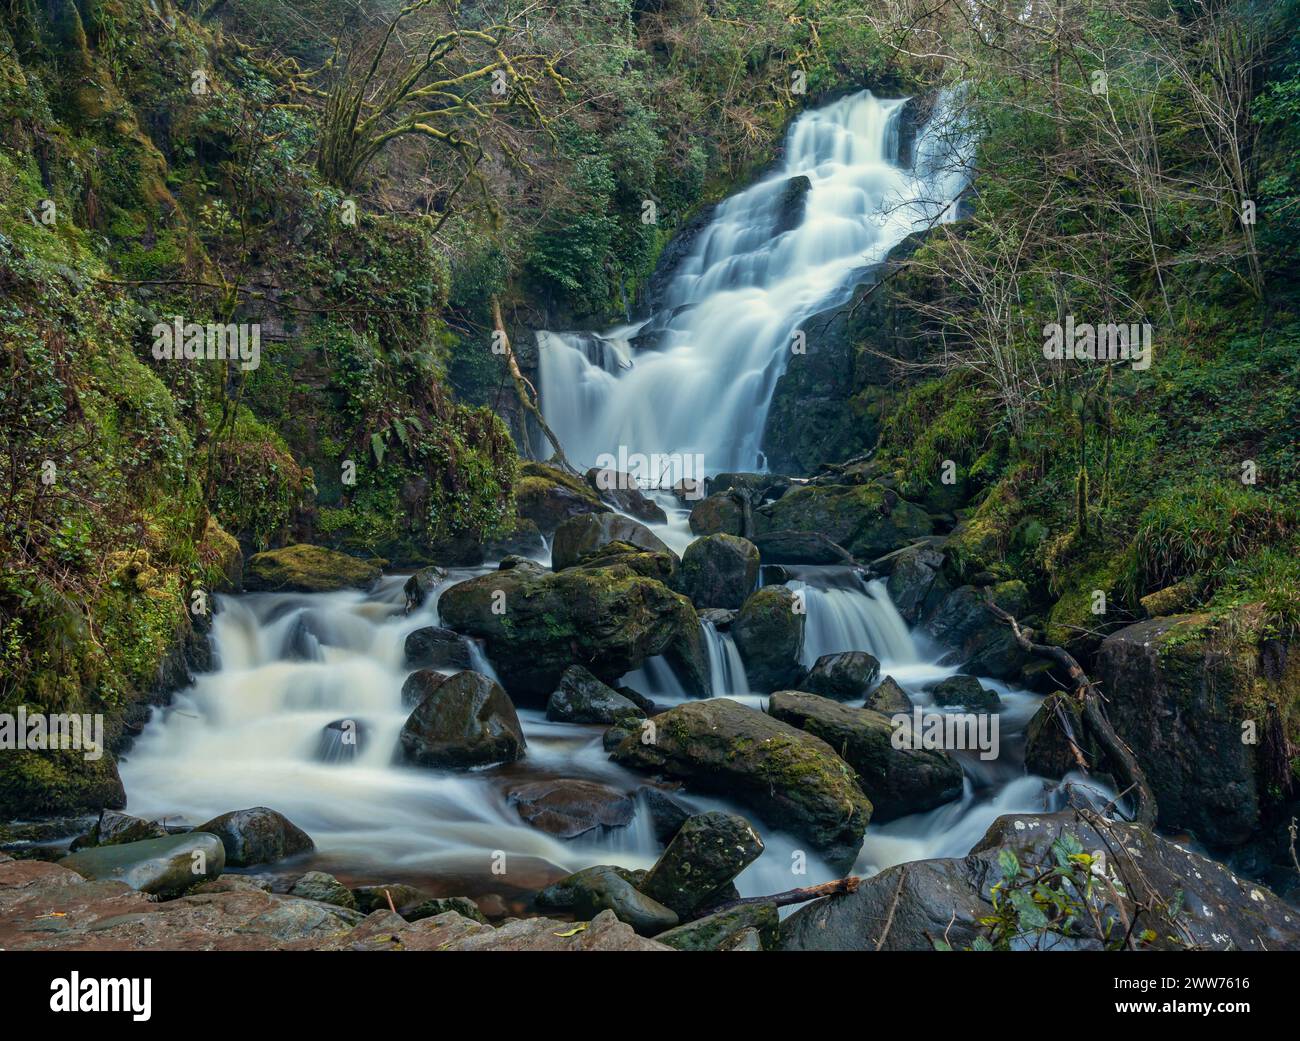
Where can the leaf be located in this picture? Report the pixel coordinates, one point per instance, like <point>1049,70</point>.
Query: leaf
<point>1008,863</point>
<point>377,446</point>
<point>400,428</point>
<point>574,931</point>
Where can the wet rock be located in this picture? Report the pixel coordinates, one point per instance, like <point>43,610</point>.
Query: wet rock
<point>438,648</point>
<point>581,537</point>
<point>113,829</point>
<point>258,835</point>
<point>707,853</point>
<point>523,539</point>
<point>800,547</point>
<point>718,514</point>
<point>718,571</point>
<point>548,496</point>
<point>769,636</point>
<point>965,692</point>
<point>846,676</point>
<point>288,920</point>
<point>569,808</point>
<point>719,618</point>
<point>866,520</point>
<point>317,885</point>
<point>1047,748</point>
<point>461,905</point>
<point>723,930</point>
<point>909,906</point>
<point>420,684</point>
<point>791,204</point>
<point>667,815</point>
<point>163,867</point>
<point>581,698</point>
<point>422,585</point>
<point>982,644</point>
<point>623,492</point>
<point>756,487</point>
<point>608,619</point>
<point>307,569</point>
<point>466,721</point>
<point>1180,691</point>
<point>340,741</point>
<point>889,698</point>
<point>603,888</point>
<point>898,781</point>
<point>793,780</point>
<point>376,897</point>
<point>916,583</point>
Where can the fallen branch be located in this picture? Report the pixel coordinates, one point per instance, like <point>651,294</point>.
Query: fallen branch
<point>523,388</point>
<point>1094,716</point>
<point>794,896</point>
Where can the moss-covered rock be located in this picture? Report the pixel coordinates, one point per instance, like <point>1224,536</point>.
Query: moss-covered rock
<point>708,851</point>
<point>792,780</point>
<point>723,513</point>
<point>581,536</point>
<point>548,496</point>
<point>868,520</point>
<point>466,721</point>
<point>769,636</point>
<point>607,619</point>
<point>604,888</point>
<point>719,571</point>
<point>714,932</point>
<point>845,676</point>
<point>308,569</point>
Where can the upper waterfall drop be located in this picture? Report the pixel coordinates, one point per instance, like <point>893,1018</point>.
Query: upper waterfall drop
<point>756,273</point>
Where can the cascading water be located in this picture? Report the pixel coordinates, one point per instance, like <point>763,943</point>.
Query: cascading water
<point>697,377</point>
<point>769,260</point>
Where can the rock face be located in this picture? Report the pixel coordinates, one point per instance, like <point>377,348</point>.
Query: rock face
<point>981,643</point>
<point>580,537</point>
<point>307,569</point>
<point>719,571</point>
<point>437,648</point>
<point>603,888</point>
<point>867,520</point>
<point>908,906</point>
<point>706,854</point>
<point>609,619</point>
<point>898,781</point>
<point>548,496</point>
<point>1181,690</point>
<point>793,780</point>
<point>257,836</point>
<point>769,636</point>
<point>965,692</point>
<point>466,721</point>
<point>800,547</point>
<point>623,493</point>
<point>889,698</point>
<point>567,808</point>
<point>163,867</point>
<point>581,698</point>
<point>916,583</point>
<point>846,676</point>
<point>722,513</point>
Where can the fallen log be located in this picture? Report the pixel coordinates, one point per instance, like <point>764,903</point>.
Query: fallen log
<point>793,896</point>
<point>1094,716</point>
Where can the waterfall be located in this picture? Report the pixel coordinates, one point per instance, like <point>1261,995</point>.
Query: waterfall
<point>696,379</point>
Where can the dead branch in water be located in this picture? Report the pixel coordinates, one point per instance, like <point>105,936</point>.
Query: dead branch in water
<point>793,896</point>
<point>525,391</point>
<point>1094,715</point>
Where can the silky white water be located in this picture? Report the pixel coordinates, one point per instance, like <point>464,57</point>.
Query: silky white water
<point>730,314</point>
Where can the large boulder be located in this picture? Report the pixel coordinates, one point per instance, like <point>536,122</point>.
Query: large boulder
<point>581,698</point>
<point>718,571</point>
<point>867,520</point>
<point>569,808</point>
<point>800,547</point>
<point>163,867</point>
<point>889,698</point>
<point>981,643</point>
<point>898,781</point>
<point>623,492</point>
<point>769,636</point>
<point>466,721</point>
<point>962,691</point>
<point>548,496</point>
<point>1188,901</point>
<point>707,853</point>
<point>916,582</point>
<point>258,835</point>
<point>792,780</point>
<point>420,684</point>
<point>580,537</point>
<point>1204,705</point>
<point>113,829</point>
<point>845,676</point>
<point>307,569</point>
<point>434,647</point>
<point>611,619</point>
<point>723,513</point>
<point>604,888</point>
